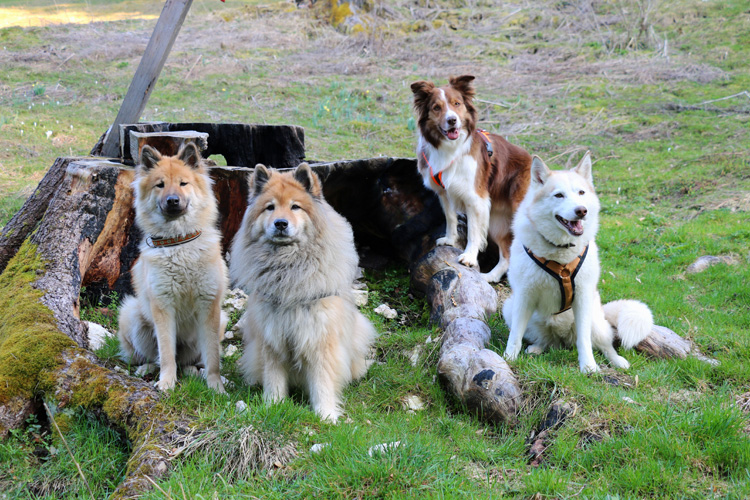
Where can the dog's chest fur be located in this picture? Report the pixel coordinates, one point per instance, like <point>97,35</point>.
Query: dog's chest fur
<point>457,165</point>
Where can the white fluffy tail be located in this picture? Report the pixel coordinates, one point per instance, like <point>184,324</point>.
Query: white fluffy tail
<point>632,319</point>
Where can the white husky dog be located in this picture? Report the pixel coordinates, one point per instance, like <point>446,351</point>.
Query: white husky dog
<point>554,269</point>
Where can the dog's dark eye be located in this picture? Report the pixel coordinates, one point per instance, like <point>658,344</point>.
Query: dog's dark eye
<point>296,207</point>
<point>270,207</point>
<point>456,104</point>
<point>581,192</point>
<point>436,108</point>
<point>183,183</point>
<point>160,184</point>
<point>559,195</point>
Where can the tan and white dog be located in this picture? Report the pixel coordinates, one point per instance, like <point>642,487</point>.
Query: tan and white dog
<point>295,257</point>
<point>180,276</point>
<point>554,271</point>
<point>472,171</point>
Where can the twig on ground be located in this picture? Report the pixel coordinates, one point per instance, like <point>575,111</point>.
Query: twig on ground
<point>70,452</point>
<point>197,60</point>
<point>744,92</point>
<point>166,495</point>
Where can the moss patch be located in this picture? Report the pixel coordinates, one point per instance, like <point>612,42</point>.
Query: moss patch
<point>29,339</point>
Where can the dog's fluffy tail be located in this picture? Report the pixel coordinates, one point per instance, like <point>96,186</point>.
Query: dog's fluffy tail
<point>632,319</point>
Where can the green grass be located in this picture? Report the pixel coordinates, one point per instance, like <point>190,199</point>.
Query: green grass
<point>558,78</point>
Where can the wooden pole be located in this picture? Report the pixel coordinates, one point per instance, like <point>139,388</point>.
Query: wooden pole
<point>167,27</point>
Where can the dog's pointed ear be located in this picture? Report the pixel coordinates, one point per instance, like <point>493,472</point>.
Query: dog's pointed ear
<point>189,155</point>
<point>309,180</point>
<point>149,158</point>
<point>584,168</point>
<point>421,91</point>
<point>539,171</point>
<point>258,179</point>
<point>463,84</point>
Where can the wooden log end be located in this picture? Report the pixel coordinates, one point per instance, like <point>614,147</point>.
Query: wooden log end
<point>665,343</point>
<point>167,143</point>
<point>482,381</point>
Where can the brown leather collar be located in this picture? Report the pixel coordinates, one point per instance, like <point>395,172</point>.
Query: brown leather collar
<point>156,242</point>
<point>565,275</point>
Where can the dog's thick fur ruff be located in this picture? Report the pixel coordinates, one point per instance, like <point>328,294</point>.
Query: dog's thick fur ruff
<point>295,257</point>
<point>175,316</point>
<point>454,162</point>
<point>558,217</point>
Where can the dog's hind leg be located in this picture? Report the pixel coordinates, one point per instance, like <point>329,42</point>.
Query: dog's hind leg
<point>602,338</point>
<point>499,232</point>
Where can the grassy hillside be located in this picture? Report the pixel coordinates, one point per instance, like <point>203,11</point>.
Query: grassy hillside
<point>657,90</point>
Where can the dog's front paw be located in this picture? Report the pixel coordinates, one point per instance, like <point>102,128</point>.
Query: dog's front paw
<point>468,260</point>
<point>166,383</point>
<point>146,369</point>
<point>589,367</point>
<point>535,349</point>
<point>510,354</point>
<point>620,362</point>
<point>216,384</point>
<point>331,416</point>
<point>445,241</point>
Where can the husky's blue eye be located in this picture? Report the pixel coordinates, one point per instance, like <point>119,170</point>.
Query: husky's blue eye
<point>559,195</point>
<point>270,207</point>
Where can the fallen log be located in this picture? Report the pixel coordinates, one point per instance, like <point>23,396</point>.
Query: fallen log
<point>460,301</point>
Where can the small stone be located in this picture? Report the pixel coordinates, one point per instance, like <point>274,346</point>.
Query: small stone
<point>230,350</point>
<point>706,261</point>
<point>385,311</point>
<point>318,447</point>
<point>234,301</point>
<point>360,297</point>
<point>97,335</point>
<point>382,448</point>
<point>629,400</point>
<point>229,335</point>
<point>429,340</point>
<point>240,406</point>
<point>412,402</point>
<point>414,355</point>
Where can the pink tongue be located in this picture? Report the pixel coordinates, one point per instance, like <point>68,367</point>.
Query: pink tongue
<point>576,226</point>
<point>452,134</point>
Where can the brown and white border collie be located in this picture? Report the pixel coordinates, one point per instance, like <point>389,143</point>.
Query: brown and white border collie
<point>472,171</point>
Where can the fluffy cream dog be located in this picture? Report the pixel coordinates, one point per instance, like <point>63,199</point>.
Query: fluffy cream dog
<point>295,257</point>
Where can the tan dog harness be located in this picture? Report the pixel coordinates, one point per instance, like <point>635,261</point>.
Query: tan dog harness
<point>565,275</point>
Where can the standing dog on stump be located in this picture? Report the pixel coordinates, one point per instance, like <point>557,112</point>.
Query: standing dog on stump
<point>471,170</point>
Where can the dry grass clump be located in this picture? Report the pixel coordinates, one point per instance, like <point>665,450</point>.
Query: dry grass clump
<point>239,452</point>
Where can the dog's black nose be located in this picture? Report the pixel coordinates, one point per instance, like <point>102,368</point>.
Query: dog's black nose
<point>581,211</point>
<point>451,121</point>
<point>280,224</point>
<point>173,201</point>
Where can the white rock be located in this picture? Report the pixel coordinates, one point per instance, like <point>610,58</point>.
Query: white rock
<point>234,301</point>
<point>230,350</point>
<point>386,311</point>
<point>412,402</point>
<point>360,297</point>
<point>229,334</point>
<point>318,447</point>
<point>414,355</point>
<point>382,448</point>
<point>97,335</point>
<point>240,406</point>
